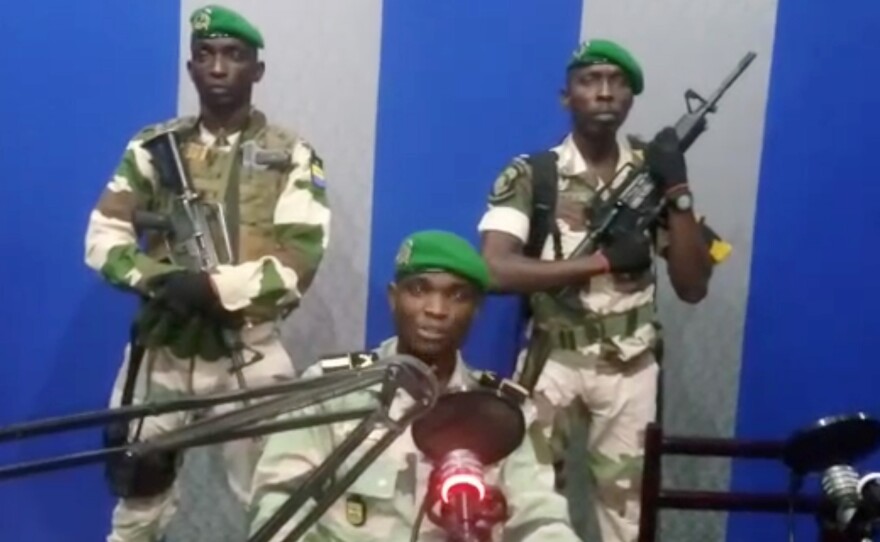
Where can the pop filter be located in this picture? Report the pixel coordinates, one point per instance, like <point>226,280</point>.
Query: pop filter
<point>489,425</point>
<point>833,440</point>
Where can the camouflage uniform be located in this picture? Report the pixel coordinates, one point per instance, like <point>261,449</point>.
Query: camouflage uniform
<point>283,230</point>
<point>393,487</point>
<point>601,357</point>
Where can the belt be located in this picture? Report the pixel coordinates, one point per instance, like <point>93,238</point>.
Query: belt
<point>595,328</point>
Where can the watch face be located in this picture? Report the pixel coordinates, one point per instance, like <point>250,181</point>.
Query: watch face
<point>684,202</point>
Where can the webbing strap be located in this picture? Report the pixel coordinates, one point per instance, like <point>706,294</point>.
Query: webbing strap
<point>596,329</point>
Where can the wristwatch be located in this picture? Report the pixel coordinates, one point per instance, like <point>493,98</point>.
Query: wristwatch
<point>682,202</point>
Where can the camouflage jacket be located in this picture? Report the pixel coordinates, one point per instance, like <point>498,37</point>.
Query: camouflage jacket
<point>390,492</point>
<point>284,216</point>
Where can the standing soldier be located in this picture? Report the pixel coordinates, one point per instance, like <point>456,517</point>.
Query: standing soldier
<point>270,184</point>
<point>600,354</point>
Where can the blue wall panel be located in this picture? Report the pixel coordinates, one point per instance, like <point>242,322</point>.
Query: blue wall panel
<point>811,341</point>
<point>79,79</point>
<point>463,88</point>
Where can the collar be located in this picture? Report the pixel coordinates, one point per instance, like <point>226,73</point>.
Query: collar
<point>461,377</point>
<point>256,122</point>
<point>209,139</point>
<point>572,164</point>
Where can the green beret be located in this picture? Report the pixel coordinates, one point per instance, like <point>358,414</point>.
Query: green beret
<point>608,52</point>
<point>435,250</point>
<point>221,22</point>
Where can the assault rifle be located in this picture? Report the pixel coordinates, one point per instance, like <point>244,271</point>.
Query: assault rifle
<point>636,204</point>
<point>196,232</point>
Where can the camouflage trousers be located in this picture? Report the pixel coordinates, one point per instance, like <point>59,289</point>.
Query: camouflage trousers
<point>619,400</point>
<point>163,377</point>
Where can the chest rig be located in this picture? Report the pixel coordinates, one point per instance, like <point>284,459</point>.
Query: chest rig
<point>569,199</point>
<point>246,178</point>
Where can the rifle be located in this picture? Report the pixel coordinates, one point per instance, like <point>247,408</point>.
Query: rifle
<point>191,229</point>
<point>636,204</point>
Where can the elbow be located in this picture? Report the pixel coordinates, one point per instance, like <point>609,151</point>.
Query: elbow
<point>692,293</point>
<point>498,279</point>
<point>692,296</point>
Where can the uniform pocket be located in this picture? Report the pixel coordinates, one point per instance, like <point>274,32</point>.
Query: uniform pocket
<point>378,481</point>
<point>258,196</point>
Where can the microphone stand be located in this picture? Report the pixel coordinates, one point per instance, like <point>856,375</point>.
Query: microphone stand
<point>396,373</point>
<point>297,394</point>
<point>422,385</point>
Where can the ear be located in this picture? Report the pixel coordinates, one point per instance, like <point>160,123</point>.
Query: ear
<point>392,296</point>
<point>564,98</point>
<point>189,70</point>
<point>260,71</point>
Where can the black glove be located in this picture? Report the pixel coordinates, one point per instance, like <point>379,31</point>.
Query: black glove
<point>186,292</point>
<point>628,253</point>
<point>665,160</point>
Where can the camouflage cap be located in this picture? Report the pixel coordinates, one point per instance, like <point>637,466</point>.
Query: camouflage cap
<point>436,250</point>
<point>217,21</point>
<point>609,52</point>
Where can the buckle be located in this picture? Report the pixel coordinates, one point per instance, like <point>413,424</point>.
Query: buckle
<point>594,330</point>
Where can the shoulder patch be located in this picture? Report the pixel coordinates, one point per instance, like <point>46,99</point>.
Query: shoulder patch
<point>504,186</point>
<point>317,169</point>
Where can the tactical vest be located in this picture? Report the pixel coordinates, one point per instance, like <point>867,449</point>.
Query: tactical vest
<point>214,172</point>
<point>570,198</point>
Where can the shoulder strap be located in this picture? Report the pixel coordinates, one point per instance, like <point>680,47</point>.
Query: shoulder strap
<point>545,183</point>
<point>136,352</point>
<point>503,386</point>
<point>347,361</point>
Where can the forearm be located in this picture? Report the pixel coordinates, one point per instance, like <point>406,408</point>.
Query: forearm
<point>520,274</point>
<point>111,249</point>
<point>687,257</point>
<point>280,264</point>
<point>279,277</point>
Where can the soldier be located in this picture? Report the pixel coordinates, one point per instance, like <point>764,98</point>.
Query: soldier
<point>271,184</point>
<point>439,283</point>
<point>600,354</point>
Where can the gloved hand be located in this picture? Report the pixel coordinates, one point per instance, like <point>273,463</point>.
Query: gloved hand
<point>627,253</point>
<point>665,160</point>
<point>186,292</point>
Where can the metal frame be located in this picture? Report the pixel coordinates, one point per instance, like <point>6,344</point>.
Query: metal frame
<point>654,497</point>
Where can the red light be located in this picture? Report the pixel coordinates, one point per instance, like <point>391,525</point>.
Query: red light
<point>458,482</point>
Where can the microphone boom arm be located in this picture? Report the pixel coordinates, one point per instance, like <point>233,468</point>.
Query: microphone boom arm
<point>314,486</point>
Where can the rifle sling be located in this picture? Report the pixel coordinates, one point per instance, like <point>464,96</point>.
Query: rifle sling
<point>232,198</point>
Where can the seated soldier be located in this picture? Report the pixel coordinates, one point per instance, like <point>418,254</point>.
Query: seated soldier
<point>439,283</point>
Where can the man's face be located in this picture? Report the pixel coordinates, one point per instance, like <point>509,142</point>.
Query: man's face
<point>433,312</point>
<point>224,70</point>
<point>599,98</point>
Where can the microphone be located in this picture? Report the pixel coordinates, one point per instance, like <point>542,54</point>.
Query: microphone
<point>466,432</point>
<point>462,492</point>
<point>841,484</point>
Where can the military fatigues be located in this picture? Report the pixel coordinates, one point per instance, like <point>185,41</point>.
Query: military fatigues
<point>393,487</point>
<point>602,356</point>
<point>283,231</point>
